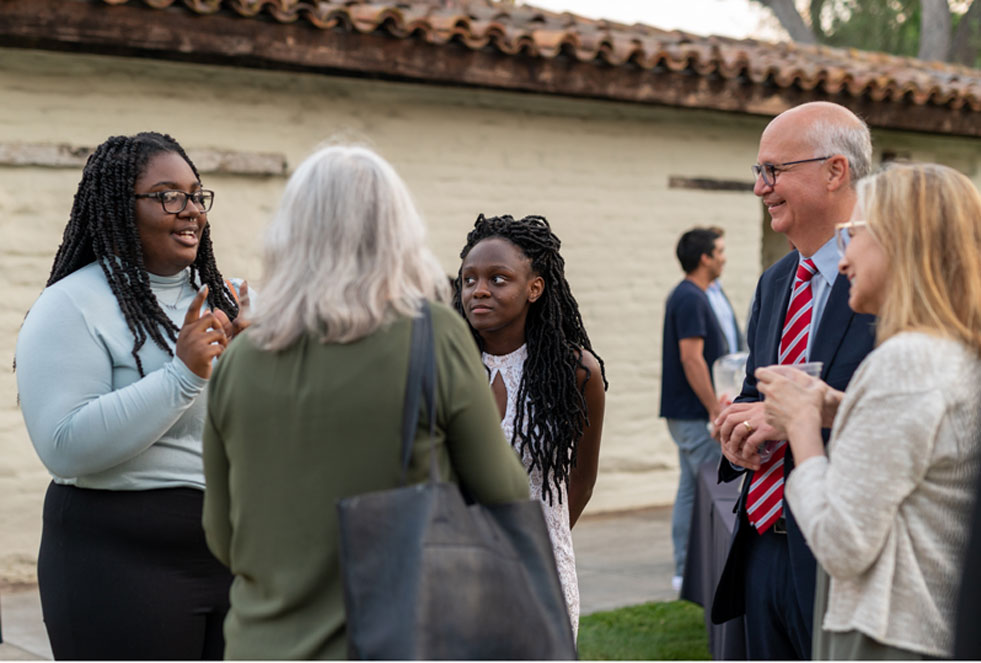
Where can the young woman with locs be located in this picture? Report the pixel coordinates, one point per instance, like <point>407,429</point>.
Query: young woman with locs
<point>549,385</point>
<point>112,364</point>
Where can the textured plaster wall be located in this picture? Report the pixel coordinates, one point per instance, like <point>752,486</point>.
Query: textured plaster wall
<point>598,171</point>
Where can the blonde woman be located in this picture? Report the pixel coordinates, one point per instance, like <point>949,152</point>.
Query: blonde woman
<point>885,510</point>
<point>306,408</point>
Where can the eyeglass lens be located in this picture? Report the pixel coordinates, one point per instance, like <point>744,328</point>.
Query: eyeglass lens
<point>766,171</point>
<point>844,237</point>
<point>174,202</point>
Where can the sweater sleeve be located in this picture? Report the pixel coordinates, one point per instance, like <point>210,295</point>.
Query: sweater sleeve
<point>78,424</point>
<point>484,462</point>
<point>217,499</point>
<point>846,506</point>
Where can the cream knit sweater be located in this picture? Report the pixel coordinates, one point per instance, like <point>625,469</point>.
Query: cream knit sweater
<point>887,515</point>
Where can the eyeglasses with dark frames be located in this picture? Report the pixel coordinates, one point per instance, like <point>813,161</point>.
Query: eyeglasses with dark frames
<point>844,233</point>
<point>174,202</point>
<point>768,171</point>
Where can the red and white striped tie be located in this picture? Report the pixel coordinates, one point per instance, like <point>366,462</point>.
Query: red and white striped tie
<point>764,504</point>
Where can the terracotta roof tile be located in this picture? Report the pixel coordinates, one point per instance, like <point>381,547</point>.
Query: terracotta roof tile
<point>527,30</point>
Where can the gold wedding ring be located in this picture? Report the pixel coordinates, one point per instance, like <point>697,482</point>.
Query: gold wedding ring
<point>749,426</point>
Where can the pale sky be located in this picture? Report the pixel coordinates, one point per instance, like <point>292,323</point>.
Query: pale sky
<point>731,18</point>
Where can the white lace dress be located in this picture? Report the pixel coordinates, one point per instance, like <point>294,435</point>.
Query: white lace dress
<point>510,367</point>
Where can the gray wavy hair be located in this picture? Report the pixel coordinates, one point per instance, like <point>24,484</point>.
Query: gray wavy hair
<point>345,253</point>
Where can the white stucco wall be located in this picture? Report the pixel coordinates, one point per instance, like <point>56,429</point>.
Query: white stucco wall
<point>597,170</point>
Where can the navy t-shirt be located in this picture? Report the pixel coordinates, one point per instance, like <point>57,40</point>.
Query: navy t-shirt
<point>687,314</point>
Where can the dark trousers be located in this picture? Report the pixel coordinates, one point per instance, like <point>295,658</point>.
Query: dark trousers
<point>777,628</point>
<point>127,575</point>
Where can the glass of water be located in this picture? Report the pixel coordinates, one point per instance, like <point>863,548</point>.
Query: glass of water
<point>812,368</point>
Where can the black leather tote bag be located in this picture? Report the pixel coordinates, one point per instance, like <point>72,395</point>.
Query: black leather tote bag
<point>428,576</point>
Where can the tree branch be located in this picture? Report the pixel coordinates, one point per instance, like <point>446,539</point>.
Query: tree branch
<point>791,20</point>
<point>815,9</point>
<point>934,30</point>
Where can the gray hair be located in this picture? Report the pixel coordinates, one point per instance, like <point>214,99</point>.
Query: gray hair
<point>345,253</point>
<point>852,140</point>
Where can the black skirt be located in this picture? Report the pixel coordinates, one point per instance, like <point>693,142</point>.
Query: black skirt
<point>127,575</point>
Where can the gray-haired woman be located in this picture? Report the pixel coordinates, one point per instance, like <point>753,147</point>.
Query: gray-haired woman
<point>305,408</point>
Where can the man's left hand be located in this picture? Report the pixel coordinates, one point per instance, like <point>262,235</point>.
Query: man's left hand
<point>741,428</point>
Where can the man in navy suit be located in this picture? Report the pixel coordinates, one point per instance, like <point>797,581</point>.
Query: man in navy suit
<point>808,162</point>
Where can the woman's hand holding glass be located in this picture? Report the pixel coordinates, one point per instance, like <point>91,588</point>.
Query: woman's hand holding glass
<point>796,405</point>
<point>791,396</point>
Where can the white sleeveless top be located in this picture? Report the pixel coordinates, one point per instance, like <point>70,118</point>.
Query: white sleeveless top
<point>511,367</point>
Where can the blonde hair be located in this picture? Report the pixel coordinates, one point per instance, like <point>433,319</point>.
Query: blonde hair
<point>345,253</point>
<point>927,217</point>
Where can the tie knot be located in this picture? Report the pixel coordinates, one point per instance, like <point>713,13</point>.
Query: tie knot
<point>806,270</point>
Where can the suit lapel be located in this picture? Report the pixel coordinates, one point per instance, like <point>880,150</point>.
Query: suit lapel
<point>774,325</point>
<point>834,324</point>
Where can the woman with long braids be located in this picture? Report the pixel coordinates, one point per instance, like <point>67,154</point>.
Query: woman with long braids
<point>549,385</point>
<point>112,364</point>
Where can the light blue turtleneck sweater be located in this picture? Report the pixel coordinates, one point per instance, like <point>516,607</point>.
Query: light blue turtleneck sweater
<point>93,421</point>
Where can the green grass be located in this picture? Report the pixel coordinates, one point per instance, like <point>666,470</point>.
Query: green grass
<point>673,630</point>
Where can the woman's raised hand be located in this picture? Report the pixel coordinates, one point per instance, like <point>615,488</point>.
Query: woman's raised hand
<point>243,319</point>
<point>202,338</point>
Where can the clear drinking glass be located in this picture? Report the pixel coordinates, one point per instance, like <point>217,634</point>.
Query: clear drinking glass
<point>812,368</point>
<point>728,373</point>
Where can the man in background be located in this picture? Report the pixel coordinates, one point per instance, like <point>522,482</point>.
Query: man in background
<point>692,340</point>
<point>723,308</point>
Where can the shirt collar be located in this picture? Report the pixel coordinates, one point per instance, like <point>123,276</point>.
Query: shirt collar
<point>826,261</point>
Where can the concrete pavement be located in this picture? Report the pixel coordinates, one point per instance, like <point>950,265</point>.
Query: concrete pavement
<point>24,638</point>
<point>622,559</point>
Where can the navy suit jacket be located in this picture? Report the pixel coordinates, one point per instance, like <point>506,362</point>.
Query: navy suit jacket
<point>842,341</point>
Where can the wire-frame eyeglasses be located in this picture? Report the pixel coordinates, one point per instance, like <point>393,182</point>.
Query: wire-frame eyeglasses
<point>768,171</point>
<point>844,233</point>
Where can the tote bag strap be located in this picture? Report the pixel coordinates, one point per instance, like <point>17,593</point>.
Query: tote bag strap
<point>421,380</point>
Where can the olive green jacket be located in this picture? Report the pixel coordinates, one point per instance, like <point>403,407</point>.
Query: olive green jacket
<point>290,433</point>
